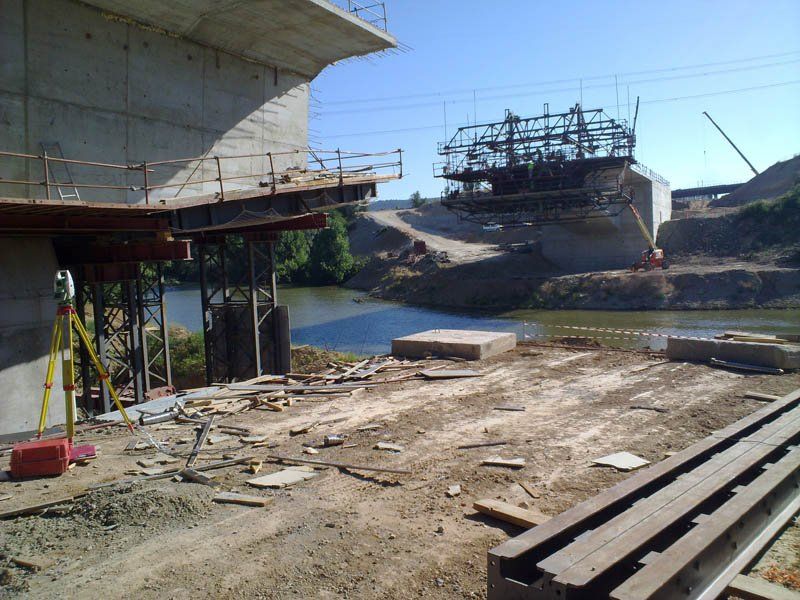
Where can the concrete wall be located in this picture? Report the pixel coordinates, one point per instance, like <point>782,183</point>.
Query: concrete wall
<point>111,91</point>
<point>26,321</point>
<point>609,242</point>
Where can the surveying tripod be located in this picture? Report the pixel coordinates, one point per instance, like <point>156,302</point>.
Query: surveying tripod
<point>66,319</point>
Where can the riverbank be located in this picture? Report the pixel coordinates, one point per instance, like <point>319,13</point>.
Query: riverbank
<point>749,259</point>
<point>510,282</point>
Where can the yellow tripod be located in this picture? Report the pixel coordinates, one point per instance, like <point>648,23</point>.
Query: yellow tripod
<point>66,319</point>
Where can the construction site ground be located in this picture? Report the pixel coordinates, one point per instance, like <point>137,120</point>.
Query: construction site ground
<point>355,534</point>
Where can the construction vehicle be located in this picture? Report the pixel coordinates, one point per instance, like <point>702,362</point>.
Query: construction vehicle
<point>653,257</point>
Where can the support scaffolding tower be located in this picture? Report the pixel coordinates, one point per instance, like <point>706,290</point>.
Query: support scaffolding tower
<point>246,334</point>
<point>553,168</point>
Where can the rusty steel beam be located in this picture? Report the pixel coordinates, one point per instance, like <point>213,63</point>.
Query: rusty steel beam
<point>78,254</point>
<point>689,521</point>
<point>12,223</point>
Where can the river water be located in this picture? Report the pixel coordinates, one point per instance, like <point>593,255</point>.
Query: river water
<point>329,317</point>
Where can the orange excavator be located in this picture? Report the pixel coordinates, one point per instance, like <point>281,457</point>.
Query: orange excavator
<point>653,257</point>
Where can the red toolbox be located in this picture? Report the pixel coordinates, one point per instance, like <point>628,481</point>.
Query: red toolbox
<point>44,457</point>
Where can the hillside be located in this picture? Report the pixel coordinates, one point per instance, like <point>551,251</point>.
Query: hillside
<point>768,185</point>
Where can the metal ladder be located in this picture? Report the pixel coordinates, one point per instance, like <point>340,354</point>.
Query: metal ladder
<point>59,171</point>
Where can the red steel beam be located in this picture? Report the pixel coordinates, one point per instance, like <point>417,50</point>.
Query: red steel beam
<point>34,223</point>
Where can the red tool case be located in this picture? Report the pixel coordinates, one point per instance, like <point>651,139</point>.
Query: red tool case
<point>44,457</point>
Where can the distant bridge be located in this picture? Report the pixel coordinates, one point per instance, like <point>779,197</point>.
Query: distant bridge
<point>710,190</point>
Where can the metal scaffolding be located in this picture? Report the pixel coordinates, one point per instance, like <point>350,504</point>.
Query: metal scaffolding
<point>240,327</point>
<point>528,171</point>
<point>130,334</point>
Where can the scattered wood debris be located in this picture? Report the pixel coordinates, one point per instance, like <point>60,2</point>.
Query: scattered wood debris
<point>509,513</point>
<point>646,407</point>
<point>497,461</point>
<point>448,373</point>
<point>761,397</point>
<point>623,461</point>
<point>508,407</point>
<point>283,478</point>
<point>389,446</point>
<point>482,445</point>
<point>242,499</point>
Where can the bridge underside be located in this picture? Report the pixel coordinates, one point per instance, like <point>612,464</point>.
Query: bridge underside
<point>116,254</point>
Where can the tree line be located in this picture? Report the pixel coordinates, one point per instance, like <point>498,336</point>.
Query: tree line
<point>315,257</point>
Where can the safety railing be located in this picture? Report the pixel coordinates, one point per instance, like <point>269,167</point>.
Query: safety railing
<point>647,172</point>
<point>310,167</point>
<point>373,13</point>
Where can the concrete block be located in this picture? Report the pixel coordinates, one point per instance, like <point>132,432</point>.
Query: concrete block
<point>471,345</point>
<point>778,356</point>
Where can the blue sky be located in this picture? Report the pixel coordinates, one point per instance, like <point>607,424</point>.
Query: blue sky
<point>473,57</point>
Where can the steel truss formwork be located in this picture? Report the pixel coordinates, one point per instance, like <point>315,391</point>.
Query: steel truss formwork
<point>683,528</point>
<point>130,332</point>
<point>244,333</point>
<point>527,171</point>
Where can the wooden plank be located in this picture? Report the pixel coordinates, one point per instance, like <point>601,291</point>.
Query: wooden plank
<point>201,439</point>
<point>753,588</point>
<point>242,499</point>
<point>509,513</point>
<point>762,397</point>
<point>34,565</point>
<point>174,471</point>
<point>326,463</point>
<point>482,445</point>
<point>332,388</point>
<point>196,477</point>
<point>497,461</point>
<point>448,373</point>
<point>34,508</point>
<point>527,487</point>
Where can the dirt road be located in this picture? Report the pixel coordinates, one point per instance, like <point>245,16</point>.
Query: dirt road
<point>457,250</point>
<point>354,534</point>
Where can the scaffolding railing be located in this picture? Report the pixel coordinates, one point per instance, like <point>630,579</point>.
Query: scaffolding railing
<point>373,13</point>
<point>336,166</point>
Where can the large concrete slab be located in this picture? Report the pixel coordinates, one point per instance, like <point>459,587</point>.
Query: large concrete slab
<point>461,343</point>
<point>778,356</point>
<point>303,36</point>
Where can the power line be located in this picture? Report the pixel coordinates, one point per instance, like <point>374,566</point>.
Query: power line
<point>560,90</point>
<point>657,101</point>
<point>454,92</point>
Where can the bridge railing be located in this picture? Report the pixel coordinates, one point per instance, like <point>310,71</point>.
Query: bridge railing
<point>263,170</point>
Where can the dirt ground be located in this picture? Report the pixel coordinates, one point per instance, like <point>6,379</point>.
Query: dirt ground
<point>355,534</point>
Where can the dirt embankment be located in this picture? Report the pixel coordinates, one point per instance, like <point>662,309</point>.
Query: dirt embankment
<point>750,259</point>
<point>770,184</point>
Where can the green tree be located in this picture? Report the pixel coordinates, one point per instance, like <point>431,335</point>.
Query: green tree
<point>416,199</point>
<point>330,258</point>
<point>291,255</point>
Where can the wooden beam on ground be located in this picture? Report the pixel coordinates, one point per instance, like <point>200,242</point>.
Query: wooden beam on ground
<point>762,397</point>
<point>509,513</point>
<point>242,499</point>
<point>325,463</point>
<point>201,439</point>
<point>752,588</point>
<point>35,508</point>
